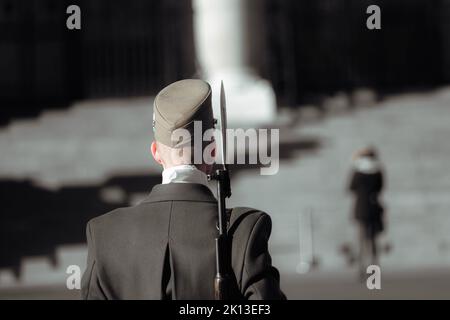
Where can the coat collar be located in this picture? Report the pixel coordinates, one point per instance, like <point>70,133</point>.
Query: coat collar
<point>180,192</point>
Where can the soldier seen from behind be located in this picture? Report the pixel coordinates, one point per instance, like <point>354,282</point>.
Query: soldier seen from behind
<point>164,247</point>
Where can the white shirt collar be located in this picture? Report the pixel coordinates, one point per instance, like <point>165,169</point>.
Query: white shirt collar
<point>184,174</point>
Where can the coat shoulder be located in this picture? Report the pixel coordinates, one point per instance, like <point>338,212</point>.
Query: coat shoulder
<point>114,222</point>
<point>245,219</point>
<point>110,218</point>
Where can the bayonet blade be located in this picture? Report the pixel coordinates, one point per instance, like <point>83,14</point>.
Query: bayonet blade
<point>223,124</point>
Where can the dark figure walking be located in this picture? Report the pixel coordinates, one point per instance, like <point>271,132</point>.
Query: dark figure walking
<point>366,184</point>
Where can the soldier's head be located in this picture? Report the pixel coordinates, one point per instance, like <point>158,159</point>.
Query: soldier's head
<point>182,112</point>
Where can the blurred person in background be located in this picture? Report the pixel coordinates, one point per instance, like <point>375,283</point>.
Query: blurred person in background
<point>366,184</point>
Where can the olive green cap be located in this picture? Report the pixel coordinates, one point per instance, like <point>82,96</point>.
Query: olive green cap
<point>178,105</point>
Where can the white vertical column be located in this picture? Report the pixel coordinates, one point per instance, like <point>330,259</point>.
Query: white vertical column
<point>221,46</point>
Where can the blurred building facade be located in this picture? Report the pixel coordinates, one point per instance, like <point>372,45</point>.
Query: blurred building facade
<point>134,47</point>
<point>124,48</point>
<point>317,47</point>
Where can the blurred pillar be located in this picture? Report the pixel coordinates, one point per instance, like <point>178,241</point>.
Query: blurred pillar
<point>222,51</point>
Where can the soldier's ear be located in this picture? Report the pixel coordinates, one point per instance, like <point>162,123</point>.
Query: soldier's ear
<point>155,153</point>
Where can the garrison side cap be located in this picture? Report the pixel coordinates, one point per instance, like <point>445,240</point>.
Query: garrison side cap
<point>178,105</point>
